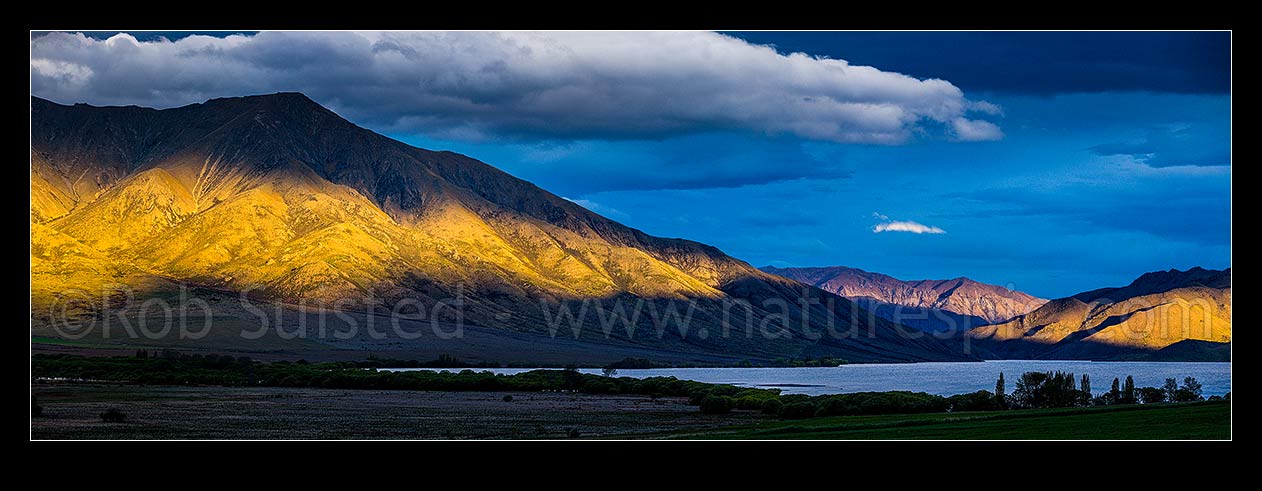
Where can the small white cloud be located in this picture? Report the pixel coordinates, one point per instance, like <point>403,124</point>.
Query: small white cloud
<point>985,108</point>
<point>973,130</point>
<point>877,215</point>
<point>906,226</point>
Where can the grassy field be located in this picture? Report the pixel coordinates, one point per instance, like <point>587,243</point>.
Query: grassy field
<point>1206,420</point>
<point>165,412</point>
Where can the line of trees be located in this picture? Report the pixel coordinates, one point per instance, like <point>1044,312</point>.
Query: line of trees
<point>1058,389</point>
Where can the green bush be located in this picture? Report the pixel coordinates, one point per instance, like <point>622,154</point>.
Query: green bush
<point>798,410</point>
<point>727,390</point>
<point>795,398</point>
<point>760,394</point>
<point>893,402</point>
<point>835,406</point>
<point>750,402</point>
<point>716,404</point>
<point>772,406</point>
<point>982,400</point>
<point>600,387</point>
<point>796,406</point>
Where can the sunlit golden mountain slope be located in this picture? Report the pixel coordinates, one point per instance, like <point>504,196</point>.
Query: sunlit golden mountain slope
<point>281,197</point>
<point>65,273</point>
<point>1154,312</point>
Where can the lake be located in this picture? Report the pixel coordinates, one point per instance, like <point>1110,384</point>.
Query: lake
<point>935,378</point>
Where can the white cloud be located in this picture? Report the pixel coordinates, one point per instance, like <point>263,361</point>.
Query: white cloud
<point>985,107</point>
<point>486,84</point>
<point>71,74</point>
<point>975,130</point>
<point>906,226</point>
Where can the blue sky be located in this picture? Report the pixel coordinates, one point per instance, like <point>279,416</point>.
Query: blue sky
<point>1048,162</point>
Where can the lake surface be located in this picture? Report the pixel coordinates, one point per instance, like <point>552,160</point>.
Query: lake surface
<point>935,378</point>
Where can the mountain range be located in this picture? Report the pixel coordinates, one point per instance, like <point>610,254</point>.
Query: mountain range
<point>279,200</point>
<point>280,217</point>
<point>954,305</point>
<point>1163,315</point>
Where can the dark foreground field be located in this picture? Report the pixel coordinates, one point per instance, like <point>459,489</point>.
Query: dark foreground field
<point>1187,421</point>
<point>72,411</point>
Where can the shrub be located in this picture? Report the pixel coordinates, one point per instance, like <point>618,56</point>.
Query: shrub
<point>600,386</point>
<point>904,403</point>
<point>725,390</point>
<point>113,415</point>
<point>508,398</point>
<point>694,398</point>
<point>716,404</point>
<point>794,398</point>
<point>772,406</point>
<point>750,402</point>
<point>981,400</point>
<point>759,394</point>
<point>893,402</point>
<point>836,406</point>
<point>797,410</point>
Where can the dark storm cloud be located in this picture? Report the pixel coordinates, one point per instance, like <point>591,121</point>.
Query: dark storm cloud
<point>1041,63</point>
<point>152,35</point>
<point>487,85</point>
